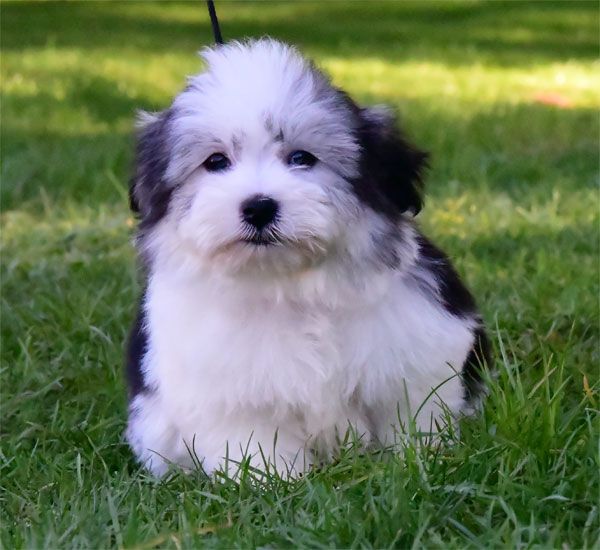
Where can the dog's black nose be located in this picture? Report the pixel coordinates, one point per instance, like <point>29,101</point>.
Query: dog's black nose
<point>259,211</point>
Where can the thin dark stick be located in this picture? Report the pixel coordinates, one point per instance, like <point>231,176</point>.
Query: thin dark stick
<point>214,21</point>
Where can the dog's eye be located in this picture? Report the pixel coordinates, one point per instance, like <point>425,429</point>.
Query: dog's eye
<point>217,162</point>
<point>301,158</point>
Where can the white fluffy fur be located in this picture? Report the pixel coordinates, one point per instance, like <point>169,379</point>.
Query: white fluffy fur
<point>295,342</point>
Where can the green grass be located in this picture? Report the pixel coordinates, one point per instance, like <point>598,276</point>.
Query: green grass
<point>512,196</point>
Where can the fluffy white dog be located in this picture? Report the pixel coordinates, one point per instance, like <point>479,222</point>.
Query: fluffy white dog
<point>288,294</point>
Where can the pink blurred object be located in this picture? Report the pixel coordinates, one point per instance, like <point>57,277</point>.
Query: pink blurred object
<point>553,98</point>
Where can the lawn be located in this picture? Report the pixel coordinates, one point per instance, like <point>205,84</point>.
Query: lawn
<point>506,98</point>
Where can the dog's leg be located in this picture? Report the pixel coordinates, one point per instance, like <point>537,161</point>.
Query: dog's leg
<point>419,414</point>
<point>155,441</point>
<point>232,441</point>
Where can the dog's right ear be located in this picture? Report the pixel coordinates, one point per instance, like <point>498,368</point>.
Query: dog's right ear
<point>148,191</point>
<point>391,167</point>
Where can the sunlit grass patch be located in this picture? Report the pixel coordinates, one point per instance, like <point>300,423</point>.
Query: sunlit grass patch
<point>470,87</point>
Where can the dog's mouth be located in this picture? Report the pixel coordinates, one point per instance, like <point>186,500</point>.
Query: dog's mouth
<point>255,248</point>
<point>261,239</point>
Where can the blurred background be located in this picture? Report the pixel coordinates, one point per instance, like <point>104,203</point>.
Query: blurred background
<point>504,95</point>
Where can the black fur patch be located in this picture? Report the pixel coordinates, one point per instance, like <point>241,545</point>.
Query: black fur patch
<point>149,194</point>
<point>479,356</point>
<point>391,168</point>
<point>456,298</point>
<point>458,301</point>
<point>136,349</point>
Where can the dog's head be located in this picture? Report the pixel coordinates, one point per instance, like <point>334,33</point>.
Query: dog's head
<point>260,163</point>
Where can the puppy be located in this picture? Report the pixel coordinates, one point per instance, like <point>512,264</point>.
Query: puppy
<point>288,294</point>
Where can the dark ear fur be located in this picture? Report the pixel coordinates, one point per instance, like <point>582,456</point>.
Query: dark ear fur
<point>391,168</point>
<point>148,192</point>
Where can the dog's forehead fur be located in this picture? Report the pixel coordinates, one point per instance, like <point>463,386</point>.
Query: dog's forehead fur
<point>260,91</point>
<point>270,77</point>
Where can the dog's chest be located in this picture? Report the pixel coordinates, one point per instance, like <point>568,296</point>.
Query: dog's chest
<point>218,347</point>
<point>235,350</point>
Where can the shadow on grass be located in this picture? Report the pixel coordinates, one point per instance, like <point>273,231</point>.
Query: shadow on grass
<point>515,33</point>
<point>84,92</point>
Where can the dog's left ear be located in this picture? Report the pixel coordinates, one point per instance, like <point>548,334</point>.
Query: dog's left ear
<point>148,191</point>
<point>391,168</point>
